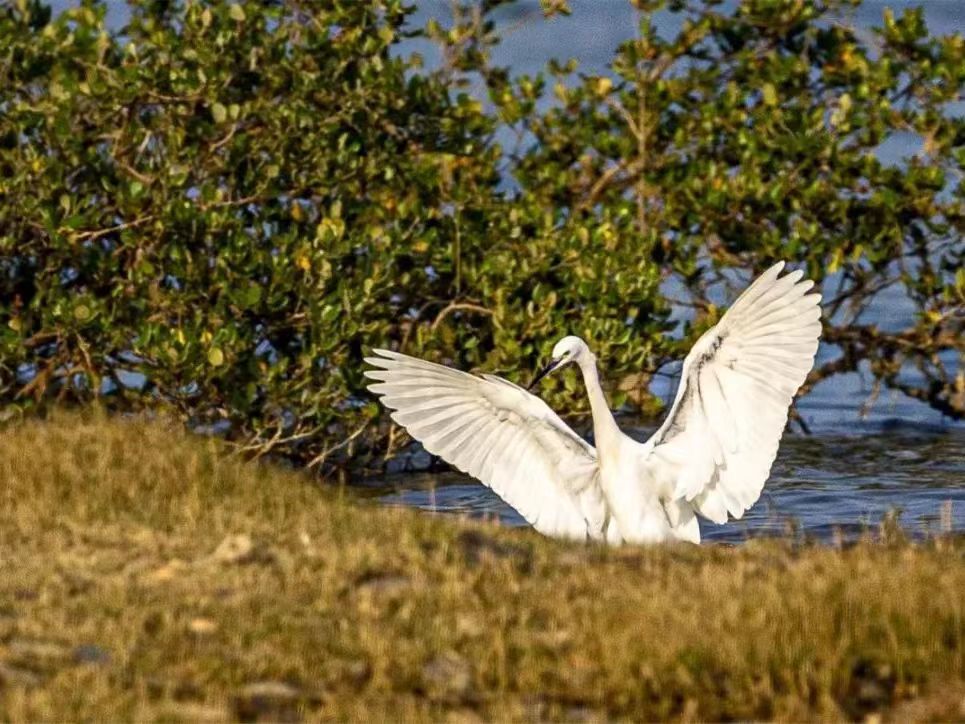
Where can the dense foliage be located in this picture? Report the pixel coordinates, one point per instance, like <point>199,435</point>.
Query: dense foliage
<point>219,207</point>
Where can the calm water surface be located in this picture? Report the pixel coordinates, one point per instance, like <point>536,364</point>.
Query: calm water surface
<point>822,486</point>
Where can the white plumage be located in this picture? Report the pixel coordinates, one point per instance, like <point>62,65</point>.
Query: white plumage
<point>711,455</point>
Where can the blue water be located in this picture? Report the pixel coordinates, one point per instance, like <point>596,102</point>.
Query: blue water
<point>821,487</point>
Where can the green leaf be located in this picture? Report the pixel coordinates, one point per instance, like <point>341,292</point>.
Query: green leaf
<point>769,94</point>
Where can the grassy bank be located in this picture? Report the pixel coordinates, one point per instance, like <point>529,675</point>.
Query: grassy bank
<point>145,575</point>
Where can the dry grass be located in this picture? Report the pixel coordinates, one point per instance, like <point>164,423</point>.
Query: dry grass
<point>144,575</point>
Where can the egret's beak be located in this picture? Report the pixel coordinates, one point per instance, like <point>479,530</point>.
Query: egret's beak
<point>552,365</point>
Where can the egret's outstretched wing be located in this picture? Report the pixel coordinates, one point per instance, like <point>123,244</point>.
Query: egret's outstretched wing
<point>716,447</point>
<point>500,434</point>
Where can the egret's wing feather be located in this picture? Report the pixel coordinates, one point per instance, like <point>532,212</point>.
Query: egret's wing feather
<point>716,447</point>
<point>500,434</point>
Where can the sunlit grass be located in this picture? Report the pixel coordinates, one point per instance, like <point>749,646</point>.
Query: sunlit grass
<point>145,574</point>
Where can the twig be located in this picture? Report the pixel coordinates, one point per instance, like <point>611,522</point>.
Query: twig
<point>454,307</point>
<point>38,384</point>
<point>191,98</point>
<point>625,114</point>
<point>88,364</point>
<point>143,178</point>
<point>265,447</point>
<point>97,233</point>
<point>231,202</point>
<point>605,179</point>
<point>40,338</point>
<point>390,444</point>
<point>228,137</point>
<point>323,455</point>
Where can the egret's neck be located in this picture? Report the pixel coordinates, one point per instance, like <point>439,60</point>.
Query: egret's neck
<point>605,430</point>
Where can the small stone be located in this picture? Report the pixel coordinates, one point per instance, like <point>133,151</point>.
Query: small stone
<point>447,677</point>
<point>202,626</point>
<point>386,584</point>
<point>234,549</point>
<point>873,693</point>
<point>240,549</point>
<point>267,701</point>
<point>168,572</point>
<point>469,626</point>
<point>91,654</point>
<point>187,712</point>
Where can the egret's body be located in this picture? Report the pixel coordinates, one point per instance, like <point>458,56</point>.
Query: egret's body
<point>711,456</point>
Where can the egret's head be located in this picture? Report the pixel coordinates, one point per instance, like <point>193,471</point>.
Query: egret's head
<point>569,349</point>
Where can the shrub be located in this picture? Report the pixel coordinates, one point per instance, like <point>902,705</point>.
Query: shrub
<point>219,208</point>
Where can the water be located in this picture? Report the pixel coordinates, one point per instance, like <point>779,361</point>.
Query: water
<point>822,487</point>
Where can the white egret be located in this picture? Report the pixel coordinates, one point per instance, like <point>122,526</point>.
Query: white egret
<point>711,456</point>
